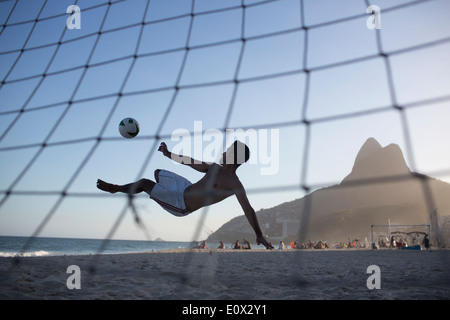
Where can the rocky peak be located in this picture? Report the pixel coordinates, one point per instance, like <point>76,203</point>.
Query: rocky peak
<point>375,161</point>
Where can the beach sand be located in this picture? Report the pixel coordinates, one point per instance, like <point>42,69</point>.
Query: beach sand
<point>228,274</point>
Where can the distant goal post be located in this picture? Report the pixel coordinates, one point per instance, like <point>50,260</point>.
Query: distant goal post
<point>399,236</point>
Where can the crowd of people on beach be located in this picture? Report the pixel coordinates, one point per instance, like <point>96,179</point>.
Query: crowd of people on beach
<point>418,241</point>
<point>245,245</point>
<point>324,245</point>
<point>356,243</point>
<point>236,245</point>
<point>400,243</point>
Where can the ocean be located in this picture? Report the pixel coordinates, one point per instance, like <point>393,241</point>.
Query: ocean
<point>41,246</point>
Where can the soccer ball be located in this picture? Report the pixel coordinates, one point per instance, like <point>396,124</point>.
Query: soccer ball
<point>129,128</point>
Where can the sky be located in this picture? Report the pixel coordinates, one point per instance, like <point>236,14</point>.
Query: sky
<point>302,78</point>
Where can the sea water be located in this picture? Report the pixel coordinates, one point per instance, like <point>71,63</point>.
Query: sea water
<point>40,246</point>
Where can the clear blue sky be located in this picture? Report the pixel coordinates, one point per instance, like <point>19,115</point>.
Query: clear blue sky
<point>270,94</point>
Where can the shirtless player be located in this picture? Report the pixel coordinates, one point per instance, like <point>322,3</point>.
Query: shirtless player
<point>180,197</point>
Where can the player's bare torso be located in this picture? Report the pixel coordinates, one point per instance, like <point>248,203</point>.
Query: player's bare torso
<point>216,185</point>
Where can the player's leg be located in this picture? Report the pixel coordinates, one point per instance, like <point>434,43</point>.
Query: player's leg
<point>142,185</point>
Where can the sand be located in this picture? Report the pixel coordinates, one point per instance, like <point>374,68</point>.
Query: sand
<point>226,275</point>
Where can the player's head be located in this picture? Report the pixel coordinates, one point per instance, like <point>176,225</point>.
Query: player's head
<point>236,154</point>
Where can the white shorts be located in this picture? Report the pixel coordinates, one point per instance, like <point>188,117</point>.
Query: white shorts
<point>169,193</point>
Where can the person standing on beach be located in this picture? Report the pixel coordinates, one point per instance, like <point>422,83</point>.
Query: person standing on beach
<point>426,242</point>
<point>180,197</point>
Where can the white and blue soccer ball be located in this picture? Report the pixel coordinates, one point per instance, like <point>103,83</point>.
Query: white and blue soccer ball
<point>129,128</point>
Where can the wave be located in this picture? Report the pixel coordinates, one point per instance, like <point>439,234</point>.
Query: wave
<point>40,253</point>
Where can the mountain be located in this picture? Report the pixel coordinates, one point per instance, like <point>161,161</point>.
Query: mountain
<point>379,188</point>
<point>373,161</point>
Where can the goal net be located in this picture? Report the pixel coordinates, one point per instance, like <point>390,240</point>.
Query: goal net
<point>400,236</point>
<point>306,81</point>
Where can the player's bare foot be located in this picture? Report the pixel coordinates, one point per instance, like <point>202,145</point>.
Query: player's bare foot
<point>105,186</point>
<point>263,241</point>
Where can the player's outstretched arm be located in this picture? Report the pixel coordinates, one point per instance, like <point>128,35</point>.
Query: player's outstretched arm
<point>251,216</point>
<point>195,164</point>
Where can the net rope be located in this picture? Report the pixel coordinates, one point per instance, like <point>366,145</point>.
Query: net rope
<point>236,81</point>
